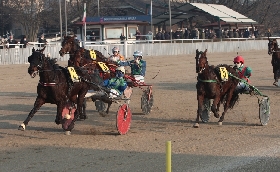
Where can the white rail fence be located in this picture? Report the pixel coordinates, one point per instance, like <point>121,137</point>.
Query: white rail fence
<point>161,48</point>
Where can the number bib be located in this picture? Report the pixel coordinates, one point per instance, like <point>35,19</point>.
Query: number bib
<point>224,74</point>
<point>104,67</point>
<point>73,74</point>
<point>92,54</point>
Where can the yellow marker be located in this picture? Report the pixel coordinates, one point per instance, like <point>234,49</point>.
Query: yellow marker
<point>168,156</point>
<point>73,74</point>
<point>92,54</point>
<point>224,73</point>
<point>104,67</point>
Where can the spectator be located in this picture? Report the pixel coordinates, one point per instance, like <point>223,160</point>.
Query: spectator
<point>158,36</point>
<point>167,36</point>
<point>268,34</point>
<point>163,35</point>
<point>138,35</point>
<point>149,35</point>
<point>256,33</point>
<point>42,41</point>
<point>230,33</point>
<point>246,33</point>
<point>122,38</point>
<point>92,37</point>
<point>12,41</point>
<point>187,34</point>
<point>23,41</point>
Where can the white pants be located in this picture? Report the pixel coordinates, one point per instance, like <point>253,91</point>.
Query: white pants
<point>139,78</point>
<point>242,87</point>
<point>113,93</point>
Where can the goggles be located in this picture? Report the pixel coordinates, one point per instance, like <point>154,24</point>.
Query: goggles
<point>119,71</point>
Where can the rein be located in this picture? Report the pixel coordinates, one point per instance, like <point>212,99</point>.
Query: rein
<point>210,81</point>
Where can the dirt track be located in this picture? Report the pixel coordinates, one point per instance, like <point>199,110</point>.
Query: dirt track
<point>240,144</point>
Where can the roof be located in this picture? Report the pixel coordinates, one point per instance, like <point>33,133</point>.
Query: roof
<point>194,9</point>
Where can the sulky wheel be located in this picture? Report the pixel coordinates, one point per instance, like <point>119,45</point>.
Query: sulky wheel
<point>147,101</point>
<point>206,111</point>
<point>100,106</point>
<point>123,119</point>
<point>264,110</point>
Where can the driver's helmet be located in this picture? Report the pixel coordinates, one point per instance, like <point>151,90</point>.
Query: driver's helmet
<point>121,68</point>
<point>115,49</point>
<point>137,54</point>
<point>238,59</point>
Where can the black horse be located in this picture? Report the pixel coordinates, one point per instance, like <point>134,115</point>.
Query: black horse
<point>217,83</point>
<point>57,87</point>
<point>275,60</point>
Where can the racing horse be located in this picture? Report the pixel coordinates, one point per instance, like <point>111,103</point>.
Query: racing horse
<point>215,82</point>
<point>56,87</point>
<point>275,60</point>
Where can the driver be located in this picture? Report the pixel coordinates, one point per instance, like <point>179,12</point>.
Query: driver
<point>138,66</point>
<point>116,57</point>
<point>244,74</point>
<point>117,85</point>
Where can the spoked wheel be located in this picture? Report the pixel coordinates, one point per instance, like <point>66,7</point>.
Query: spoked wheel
<point>123,119</point>
<point>147,101</point>
<point>100,106</point>
<point>206,110</point>
<point>264,110</point>
<point>67,115</point>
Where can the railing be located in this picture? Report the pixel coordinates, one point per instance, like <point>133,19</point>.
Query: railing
<point>148,47</point>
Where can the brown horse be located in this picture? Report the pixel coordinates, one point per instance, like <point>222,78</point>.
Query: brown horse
<point>57,87</point>
<point>216,83</point>
<point>275,60</point>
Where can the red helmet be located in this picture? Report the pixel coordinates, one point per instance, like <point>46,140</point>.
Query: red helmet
<point>238,59</point>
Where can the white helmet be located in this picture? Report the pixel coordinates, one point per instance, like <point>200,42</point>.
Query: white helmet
<point>115,49</point>
<point>137,54</point>
<point>121,68</point>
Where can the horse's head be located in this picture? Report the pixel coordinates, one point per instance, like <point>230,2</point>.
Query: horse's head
<point>36,61</point>
<point>69,45</point>
<point>272,46</point>
<point>202,61</point>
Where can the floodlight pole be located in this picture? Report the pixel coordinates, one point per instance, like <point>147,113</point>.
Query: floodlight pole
<point>151,12</point>
<point>98,8</point>
<point>65,18</point>
<point>170,21</point>
<point>60,20</point>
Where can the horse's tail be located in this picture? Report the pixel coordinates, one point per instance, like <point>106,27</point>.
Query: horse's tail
<point>234,99</point>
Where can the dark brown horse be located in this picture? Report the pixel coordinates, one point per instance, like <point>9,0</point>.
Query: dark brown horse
<point>275,60</point>
<point>217,83</point>
<point>56,87</point>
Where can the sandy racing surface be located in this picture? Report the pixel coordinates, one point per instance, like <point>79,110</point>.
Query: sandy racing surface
<point>240,144</point>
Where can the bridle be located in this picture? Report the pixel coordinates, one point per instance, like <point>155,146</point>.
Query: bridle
<point>272,47</point>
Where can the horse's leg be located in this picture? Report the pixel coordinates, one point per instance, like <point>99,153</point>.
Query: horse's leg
<point>200,100</point>
<point>59,110</point>
<point>216,101</point>
<point>226,107</point>
<point>38,103</point>
<point>80,101</point>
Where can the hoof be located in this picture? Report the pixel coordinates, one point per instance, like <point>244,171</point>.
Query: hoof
<point>21,127</point>
<point>102,113</point>
<point>83,117</point>
<point>67,133</point>
<point>57,122</point>
<point>217,116</point>
<point>220,123</point>
<point>196,125</point>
